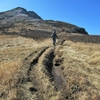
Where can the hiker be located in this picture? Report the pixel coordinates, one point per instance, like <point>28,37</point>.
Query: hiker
<point>54,36</point>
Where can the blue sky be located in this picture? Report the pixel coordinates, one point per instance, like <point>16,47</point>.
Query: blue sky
<point>83,13</point>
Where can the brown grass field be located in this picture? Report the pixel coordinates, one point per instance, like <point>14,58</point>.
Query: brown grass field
<point>13,49</point>
<point>76,73</point>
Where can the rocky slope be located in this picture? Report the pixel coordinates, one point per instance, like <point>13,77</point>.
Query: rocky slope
<point>20,21</point>
<point>18,14</point>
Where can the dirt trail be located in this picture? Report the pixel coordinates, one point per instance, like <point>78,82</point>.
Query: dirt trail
<point>44,75</point>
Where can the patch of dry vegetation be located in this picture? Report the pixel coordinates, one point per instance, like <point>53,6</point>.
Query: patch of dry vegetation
<point>89,49</point>
<point>13,49</point>
<point>78,62</point>
<point>82,68</point>
<point>84,38</point>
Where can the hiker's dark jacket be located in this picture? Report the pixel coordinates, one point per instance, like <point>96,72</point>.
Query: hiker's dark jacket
<point>54,36</point>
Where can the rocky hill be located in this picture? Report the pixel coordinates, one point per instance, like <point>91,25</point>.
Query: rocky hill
<point>18,14</point>
<point>28,23</point>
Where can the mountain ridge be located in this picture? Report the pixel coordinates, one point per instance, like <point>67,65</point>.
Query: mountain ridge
<point>15,13</point>
<point>10,18</point>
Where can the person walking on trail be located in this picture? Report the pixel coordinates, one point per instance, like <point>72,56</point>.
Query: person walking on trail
<point>54,37</point>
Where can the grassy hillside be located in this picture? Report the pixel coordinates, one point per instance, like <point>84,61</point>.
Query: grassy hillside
<point>33,69</point>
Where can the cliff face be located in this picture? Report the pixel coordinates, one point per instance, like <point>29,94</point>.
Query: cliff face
<point>31,23</point>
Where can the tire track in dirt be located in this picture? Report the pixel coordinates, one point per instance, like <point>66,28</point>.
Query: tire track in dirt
<point>41,71</point>
<point>52,76</point>
<point>42,77</point>
<point>25,83</point>
<point>35,61</point>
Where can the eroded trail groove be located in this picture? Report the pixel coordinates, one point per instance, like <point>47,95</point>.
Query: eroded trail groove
<point>40,77</point>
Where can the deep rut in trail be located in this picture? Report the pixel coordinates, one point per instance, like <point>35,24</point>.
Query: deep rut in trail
<point>35,61</point>
<point>27,87</point>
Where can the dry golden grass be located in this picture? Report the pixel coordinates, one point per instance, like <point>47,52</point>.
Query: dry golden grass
<point>90,49</point>
<point>18,46</point>
<point>8,77</point>
<point>82,60</point>
<point>13,49</point>
<point>85,47</point>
